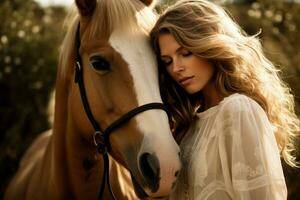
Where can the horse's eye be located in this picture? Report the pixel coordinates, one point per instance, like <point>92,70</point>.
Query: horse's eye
<point>100,64</point>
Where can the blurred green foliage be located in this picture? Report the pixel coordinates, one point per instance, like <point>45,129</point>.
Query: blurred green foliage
<point>29,40</point>
<point>279,23</point>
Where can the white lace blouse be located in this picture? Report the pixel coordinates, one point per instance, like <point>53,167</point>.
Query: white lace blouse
<point>231,153</point>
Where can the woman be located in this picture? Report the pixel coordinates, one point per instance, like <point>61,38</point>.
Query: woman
<point>231,113</point>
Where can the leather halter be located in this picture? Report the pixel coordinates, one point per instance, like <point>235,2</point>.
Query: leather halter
<point>101,137</point>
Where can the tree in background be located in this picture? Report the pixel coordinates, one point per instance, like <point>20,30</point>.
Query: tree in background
<point>278,22</point>
<point>29,42</point>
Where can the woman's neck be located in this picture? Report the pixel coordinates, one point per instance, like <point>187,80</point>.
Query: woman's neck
<point>211,96</point>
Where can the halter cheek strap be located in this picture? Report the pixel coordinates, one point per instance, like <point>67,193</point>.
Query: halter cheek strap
<point>100,137</point>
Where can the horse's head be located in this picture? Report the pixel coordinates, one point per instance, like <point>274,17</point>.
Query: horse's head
<point>120,74</point>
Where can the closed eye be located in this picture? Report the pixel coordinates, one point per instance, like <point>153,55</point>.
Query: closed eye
<point>186,53</point>
<point>166,61</point>
<point>100,64</point>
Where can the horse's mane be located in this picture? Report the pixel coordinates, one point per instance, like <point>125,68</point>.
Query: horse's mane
<point>109,15</point>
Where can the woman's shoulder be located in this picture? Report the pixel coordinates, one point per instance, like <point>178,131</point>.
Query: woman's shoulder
<point>239,110</point>
<point>238,102</point>
<point>236,97</point>
<point>230,106</point>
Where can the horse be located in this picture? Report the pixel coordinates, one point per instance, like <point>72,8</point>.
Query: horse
<point>107,108</point>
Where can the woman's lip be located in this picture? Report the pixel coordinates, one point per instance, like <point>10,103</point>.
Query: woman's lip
<point>186,80</point>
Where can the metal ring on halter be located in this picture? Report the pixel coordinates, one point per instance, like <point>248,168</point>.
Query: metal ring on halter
<point>78,65</point>
<point>98,134</point>
<point>101,146</point>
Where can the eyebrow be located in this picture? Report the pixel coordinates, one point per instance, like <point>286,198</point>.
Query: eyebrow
<point>177,50</point>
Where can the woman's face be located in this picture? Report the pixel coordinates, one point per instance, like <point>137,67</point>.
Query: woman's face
<point>188,70</point>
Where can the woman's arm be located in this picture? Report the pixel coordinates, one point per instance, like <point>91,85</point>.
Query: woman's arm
<point>249,151</point>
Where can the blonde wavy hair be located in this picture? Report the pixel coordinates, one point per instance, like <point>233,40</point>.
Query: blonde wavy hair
<point>206,30</point>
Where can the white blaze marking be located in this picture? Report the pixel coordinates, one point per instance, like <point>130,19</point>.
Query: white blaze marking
<point>135,49</point>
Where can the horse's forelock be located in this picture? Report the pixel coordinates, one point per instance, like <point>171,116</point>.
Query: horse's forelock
<point>67,49</point>
<point>109,15</point>
<point>127,15</point>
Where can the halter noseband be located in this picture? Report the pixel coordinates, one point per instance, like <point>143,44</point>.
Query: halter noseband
<point>100,137</point>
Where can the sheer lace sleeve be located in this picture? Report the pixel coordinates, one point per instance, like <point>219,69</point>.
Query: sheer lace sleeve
<point>249,155</point>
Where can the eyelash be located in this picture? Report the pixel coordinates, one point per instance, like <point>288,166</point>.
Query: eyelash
<point>188,53</point>
<point>185,54</point>
<point>166,63</point>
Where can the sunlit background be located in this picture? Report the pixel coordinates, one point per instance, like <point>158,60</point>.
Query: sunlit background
<point>32,30</point>
<point>54,2</point>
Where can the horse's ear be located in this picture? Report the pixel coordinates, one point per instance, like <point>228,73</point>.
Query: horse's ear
<point>86,7</point>
<point>147,2</point>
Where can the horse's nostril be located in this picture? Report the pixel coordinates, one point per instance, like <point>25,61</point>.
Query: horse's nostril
<point>149,165</point>
<point>176,173</point>
<point>150,169</point>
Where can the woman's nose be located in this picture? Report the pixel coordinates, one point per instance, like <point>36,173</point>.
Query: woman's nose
<point>177,66</point>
